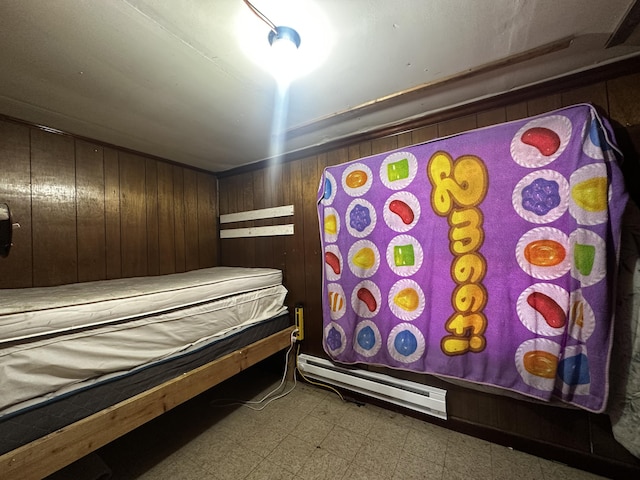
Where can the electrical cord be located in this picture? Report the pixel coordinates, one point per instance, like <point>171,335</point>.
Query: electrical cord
<point>319,384</point>
<point>262,16</point>
<point>250,403</point>
<point>268,397</point>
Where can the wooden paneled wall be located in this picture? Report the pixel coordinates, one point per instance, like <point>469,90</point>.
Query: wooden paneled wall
<point>299,256</point>
<point>91,212</point>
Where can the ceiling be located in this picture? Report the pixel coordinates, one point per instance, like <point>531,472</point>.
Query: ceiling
<point>173,79</point>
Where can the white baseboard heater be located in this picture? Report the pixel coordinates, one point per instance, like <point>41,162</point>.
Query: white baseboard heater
<point>416,396</point>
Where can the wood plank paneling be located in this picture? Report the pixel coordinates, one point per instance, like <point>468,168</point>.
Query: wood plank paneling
<point>179,218</point>
<point>192,253</point>
<point>113,243</point>
<point>166,219</point>
<point>456,125</point>
<point>151,204</point>
<point>516,111</point>
<point>207,214</point>
<point>262,247</point>
<point>623,94</point>
<point>595,94</point>
<point>15,190</point>
<point>90,212</point>
<point>544,104</point>
<point>311,169</point>
<point>385,144</point>
<point>90,197</point>
<point>133,215</point>
<point>53,177</point>
<point>294,244</point>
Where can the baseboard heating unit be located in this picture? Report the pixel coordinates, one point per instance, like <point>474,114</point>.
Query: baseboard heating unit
<point>418,397</point>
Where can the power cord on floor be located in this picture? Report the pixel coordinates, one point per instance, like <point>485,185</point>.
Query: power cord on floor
<point>319,384</point>
<point>266,398</point>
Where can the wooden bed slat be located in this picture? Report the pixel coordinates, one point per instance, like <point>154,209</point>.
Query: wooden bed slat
<point>52,452</point>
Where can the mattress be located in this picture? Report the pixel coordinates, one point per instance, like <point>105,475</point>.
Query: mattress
<point>80,334</point>
<point>32,312</point>
<point>29,423</point>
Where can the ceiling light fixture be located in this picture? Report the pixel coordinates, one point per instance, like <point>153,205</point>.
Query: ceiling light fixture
<point>283,54</point>
<point>284,41</point>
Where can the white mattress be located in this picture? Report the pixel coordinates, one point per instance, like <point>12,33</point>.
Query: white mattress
<point>45,365</point>
<point>31,312</point>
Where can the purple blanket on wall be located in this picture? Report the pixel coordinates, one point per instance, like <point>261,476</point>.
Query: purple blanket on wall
<point>487,256</point>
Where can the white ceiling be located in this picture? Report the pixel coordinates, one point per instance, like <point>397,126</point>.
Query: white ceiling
<point>171,77</point>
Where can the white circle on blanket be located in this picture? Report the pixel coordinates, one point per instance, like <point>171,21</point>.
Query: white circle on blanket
<point>398,170</point>
<point>366,299</point>
<point>404,255</point>
<point>334,338</point>
<point>590,194</point>
<point>360,218</point>
<point>328,189</point>
<point>537,363</point>
<point>406,343</point>
<point>541,197</point>
<point>542,308</point>
<point>589,250</point>
<point>331,225</point>
<point>406,299</point>
<point>540,141</point>
<point>544,253</point>
<point>337,301</point>
<point>401,211</point>
<point>363,258</point>
<point>574,376</point>
<point>357,179</point>
<point>333,263</point>
<point>367,340</point>
<point>582,320</point>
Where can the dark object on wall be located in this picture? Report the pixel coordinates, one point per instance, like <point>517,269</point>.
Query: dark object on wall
<point>6,229</point>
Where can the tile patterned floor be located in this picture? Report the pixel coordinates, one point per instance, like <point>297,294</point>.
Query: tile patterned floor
<point>310,434</point>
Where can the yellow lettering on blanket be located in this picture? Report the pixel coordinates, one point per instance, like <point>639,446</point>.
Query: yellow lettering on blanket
<point>458,189</point>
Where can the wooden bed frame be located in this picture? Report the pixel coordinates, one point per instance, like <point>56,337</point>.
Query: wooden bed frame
<point>56,450</point>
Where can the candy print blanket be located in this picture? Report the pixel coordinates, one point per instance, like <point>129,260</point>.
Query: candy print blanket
<point>487,256</point>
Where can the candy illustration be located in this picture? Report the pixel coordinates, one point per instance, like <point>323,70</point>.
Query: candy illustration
<point>405,343</point>
<point>368,299</point>
<point>328,189</point>
<point>402,210</point>
<point>577,313</point>
<point>540,363</point>
<point>574,370</point>
<point>403,255</point>
<point>583,257</point>
<point>546,141</point>
<point>366,338</point>
<point>591,194</point>
<point>330,224</point>
<point>364,258</point>
<point>356,179</point>
<point>360,218</point>
<point>552,313</point>
<point>544,253</point>
<point>333,261</point>
<point>407,299</point>
<point>398,170</point>
<point>334,340</point>
<point>541,196</point>
<point>336,301</point>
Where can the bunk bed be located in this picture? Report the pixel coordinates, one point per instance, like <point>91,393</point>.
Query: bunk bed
<point>82,364</point>
<point>491,259</point>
